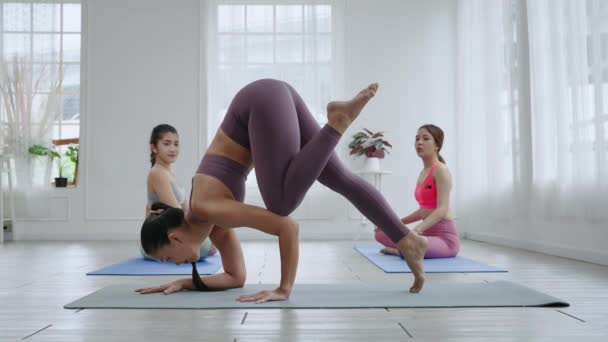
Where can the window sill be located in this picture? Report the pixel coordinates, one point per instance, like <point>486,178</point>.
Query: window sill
<point>70,186</point>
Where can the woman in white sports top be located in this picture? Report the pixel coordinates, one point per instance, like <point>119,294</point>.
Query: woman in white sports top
<point>162,185</point>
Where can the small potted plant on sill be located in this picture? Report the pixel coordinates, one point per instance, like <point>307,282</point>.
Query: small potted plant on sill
<point>372,145</point>
<point>72,153</point>
<point>39,150</point>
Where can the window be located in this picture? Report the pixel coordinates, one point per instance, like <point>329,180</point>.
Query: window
<point>44,37</point>
<point>293,42</point>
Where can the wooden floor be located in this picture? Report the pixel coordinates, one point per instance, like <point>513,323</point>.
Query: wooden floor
<point>38,278</point>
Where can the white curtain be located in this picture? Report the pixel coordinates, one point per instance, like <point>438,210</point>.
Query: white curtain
<point>532,99</point>
<point>30,72</point>
<point>569,80</point>
<point>294,41</point>
<point>487,165</point>
<point>30,56</point>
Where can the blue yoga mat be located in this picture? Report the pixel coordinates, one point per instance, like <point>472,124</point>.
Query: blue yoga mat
<point>396,264</point>
<point>143,267</point>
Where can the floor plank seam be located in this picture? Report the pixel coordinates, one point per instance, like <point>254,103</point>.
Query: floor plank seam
<point>567,314</point>
<point>347,266</point>
<point>30,335</point>
<point>407,332</point>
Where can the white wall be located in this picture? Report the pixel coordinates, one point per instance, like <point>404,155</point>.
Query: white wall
<point>142,62</point>
<point>577,239</point>
<point>408,47</point>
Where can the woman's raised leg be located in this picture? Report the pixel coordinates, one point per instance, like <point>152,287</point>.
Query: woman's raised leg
<point>286,169</point>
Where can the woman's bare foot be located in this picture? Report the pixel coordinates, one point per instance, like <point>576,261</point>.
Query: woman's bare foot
<point>390,250</point>
<point>340,114</point>
<point>413,247</point>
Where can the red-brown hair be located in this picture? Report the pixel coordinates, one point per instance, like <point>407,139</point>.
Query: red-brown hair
<point>437,134</point>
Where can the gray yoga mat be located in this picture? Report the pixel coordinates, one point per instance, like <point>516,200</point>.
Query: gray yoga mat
<point>330,296</point>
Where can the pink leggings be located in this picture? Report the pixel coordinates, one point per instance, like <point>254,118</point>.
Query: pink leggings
<point>443,240</point>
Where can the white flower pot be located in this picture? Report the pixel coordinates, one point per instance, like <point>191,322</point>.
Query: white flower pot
<point>371,165</point>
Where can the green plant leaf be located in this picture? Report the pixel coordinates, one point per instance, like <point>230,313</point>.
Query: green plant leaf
<point>39,150</point>
<point>72,153</point>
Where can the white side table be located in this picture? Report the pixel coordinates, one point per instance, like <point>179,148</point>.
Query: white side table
<point>376,177</point>
<point>5,161</point>
<point>376,180</point>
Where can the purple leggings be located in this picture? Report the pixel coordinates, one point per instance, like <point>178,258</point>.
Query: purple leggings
<point>290,152</point>
<point>442,236</point>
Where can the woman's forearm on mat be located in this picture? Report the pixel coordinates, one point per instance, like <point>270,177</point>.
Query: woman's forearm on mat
<point>215,281</point>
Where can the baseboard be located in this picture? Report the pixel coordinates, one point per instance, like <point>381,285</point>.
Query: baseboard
<point>591,256</point>
<point>244,234</point>
<point>73,236</point>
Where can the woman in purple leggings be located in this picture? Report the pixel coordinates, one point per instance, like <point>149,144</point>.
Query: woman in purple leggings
<point>433,195</point>
<point>269,126</point>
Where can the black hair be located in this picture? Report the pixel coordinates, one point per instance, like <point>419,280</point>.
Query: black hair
<point>157,134</point>
<point>156,227</point>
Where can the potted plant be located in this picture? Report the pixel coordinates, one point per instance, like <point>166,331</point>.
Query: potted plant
<point>55,156</point>
<point>72,153</point>
<point>372,145</point>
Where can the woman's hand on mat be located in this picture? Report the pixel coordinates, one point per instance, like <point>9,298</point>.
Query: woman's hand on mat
<point>265,296</point>
<point>169,288</point>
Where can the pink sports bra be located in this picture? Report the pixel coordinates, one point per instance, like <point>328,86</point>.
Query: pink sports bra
<point>426,192</point>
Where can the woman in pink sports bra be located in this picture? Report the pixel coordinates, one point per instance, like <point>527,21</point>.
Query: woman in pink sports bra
<point>433,195</point>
